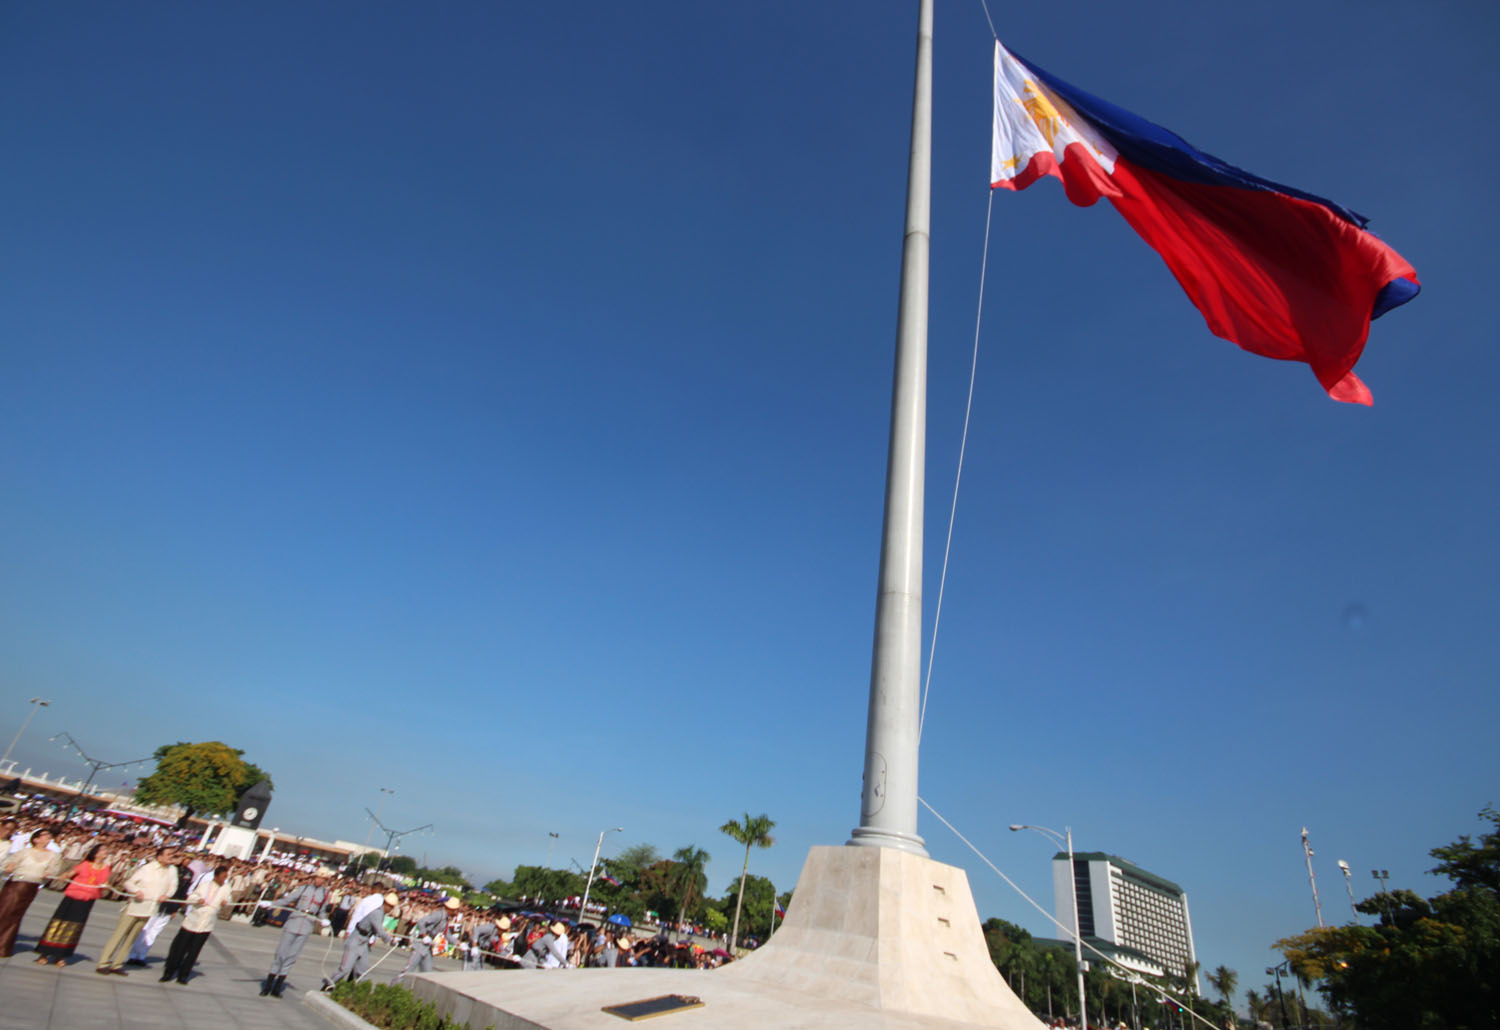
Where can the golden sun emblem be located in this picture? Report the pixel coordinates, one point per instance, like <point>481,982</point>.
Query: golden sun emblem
<point>1043,114</point>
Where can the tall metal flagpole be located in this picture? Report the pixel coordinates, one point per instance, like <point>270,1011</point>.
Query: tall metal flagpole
<point>888,810</point>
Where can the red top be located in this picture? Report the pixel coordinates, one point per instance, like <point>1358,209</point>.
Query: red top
<point>87,879</point>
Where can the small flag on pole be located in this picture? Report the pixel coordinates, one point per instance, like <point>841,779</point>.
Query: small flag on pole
<point>1278,271</point>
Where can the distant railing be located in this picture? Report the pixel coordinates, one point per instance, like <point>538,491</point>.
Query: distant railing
<point>33,782</point>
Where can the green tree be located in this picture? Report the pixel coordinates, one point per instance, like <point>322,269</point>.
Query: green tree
<point>661,889</point>
<point>688,878</point>
<point>205,777</point>
<point>754,832</point>
<point>1224,980</point>
<point>627,865</point>
<point>1429,963</point>
<point>1036,974</point>
<point>759,900</point>
<point>1473,865</point>
<point>449,875</point>
<point>546,885</point>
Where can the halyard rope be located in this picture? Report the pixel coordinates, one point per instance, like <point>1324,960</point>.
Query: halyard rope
<point>958,473</point>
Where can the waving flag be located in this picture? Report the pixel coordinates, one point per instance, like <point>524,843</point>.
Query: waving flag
<point>1280,272</point>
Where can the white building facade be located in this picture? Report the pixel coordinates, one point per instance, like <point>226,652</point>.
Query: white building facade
<point>1144,916</point>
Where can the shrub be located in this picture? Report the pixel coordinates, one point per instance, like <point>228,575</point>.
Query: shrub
<point>391,1007</point>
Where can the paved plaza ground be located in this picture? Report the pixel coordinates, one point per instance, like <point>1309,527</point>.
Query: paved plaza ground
<point>223,994</point>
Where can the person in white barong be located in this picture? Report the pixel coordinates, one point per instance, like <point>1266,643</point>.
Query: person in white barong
<point>208,893</point>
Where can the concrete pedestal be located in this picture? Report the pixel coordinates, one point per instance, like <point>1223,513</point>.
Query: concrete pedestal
<point>874,938</point>
<point>234,842</point>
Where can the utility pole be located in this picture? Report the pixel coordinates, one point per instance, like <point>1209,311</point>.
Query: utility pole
<point>1308,852</point>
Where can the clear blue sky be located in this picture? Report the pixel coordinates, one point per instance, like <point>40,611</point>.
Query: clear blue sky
<point>489,401</point>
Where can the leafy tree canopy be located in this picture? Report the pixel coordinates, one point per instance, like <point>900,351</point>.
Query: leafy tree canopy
<point>448,875</point>
<point>549,885</point>
<point>1473,865</point>
<point>206,777</point>
<point>627,865</point>
<point>1430,962</point>
<point>760,899</point>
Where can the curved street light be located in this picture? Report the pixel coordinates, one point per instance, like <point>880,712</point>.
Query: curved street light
<point>1061,841</point>
<point>37,704</point>
<point>584,908</point>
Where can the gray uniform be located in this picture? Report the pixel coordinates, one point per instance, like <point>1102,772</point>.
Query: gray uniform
<point>357,949</point>
<point>308,905</point>
<point>486,936</point>
<point>429,926</point>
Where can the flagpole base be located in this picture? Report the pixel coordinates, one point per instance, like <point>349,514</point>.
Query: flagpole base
<point>875,837</point>
<point>874,939</point>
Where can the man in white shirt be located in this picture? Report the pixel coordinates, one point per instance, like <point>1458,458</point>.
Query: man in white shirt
<point>147,887</point>
<point>208,894</point>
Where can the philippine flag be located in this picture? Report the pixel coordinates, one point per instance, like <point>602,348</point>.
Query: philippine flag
<point>1280,272</point>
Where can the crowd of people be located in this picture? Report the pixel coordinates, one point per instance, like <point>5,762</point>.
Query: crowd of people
<point>161,873</point>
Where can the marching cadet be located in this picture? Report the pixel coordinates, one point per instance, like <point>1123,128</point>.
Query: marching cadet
<point>308,907</point>
<point>422,933</point>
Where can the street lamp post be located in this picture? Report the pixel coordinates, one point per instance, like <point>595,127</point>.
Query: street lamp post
<point>36,704</point>
<point>1067,841</point>
<point>385,793</point>
<point>1276,971</point>
<point>584,908</point>
<point>393,836</point>
<point>1382,876</point>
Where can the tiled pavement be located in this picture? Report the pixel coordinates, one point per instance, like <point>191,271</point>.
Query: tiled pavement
<point>223,994</point>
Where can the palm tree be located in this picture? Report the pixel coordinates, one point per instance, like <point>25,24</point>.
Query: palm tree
<point>689,872</point>
<point>755,831</point>
<point>1254,1003</point>
<point>1224,981</point>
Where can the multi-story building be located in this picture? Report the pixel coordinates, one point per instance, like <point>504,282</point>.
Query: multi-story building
<point>1137,917</point>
